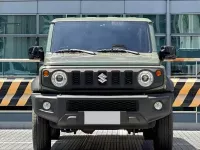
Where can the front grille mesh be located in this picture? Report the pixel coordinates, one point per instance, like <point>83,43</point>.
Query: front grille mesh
<point>102,105</point>
<point>113,78</point>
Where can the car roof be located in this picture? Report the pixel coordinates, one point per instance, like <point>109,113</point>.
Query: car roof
<point>102,19</point>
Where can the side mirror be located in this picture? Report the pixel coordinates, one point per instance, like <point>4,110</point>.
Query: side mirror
<point>167,52</point>
<point>36,52</point>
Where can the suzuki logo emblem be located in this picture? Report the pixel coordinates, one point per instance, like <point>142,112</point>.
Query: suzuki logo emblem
<point>102,78</point>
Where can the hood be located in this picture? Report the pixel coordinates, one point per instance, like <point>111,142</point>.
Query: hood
<point>101,59</point>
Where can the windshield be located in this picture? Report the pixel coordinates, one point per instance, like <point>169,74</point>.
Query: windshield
<point>95,35</point>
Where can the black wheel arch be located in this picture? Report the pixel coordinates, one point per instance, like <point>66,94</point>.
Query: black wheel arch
<point>169,85</point>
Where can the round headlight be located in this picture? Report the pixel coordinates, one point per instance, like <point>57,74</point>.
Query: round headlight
<point>145,78</point>
<point>59,78</point>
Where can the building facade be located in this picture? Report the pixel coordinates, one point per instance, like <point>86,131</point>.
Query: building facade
<point>24,23</point>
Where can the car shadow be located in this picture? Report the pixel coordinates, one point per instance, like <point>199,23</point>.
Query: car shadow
<point>112,142</point>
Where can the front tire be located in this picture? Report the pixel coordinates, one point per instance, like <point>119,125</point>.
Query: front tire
<point>55,133</point>
<point>148,134</point>
<point>40,133</point>
<point>163,139</point>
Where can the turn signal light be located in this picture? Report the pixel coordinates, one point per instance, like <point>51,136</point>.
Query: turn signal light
<point>158,73</point>
<point>45,73</point>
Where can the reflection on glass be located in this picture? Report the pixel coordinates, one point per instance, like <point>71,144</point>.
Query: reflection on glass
<point>83,35</point>
<point>159,21</point>
<point>43,42</point>
<point>1,68</point>
<point>18,69</point>
<point>185,23</point>
<point>160,41</point>
<point>184,68</point>
<point>16,47</point>
<point>45,21</point>
<point>18,24</point>
<point>187,46</point>
<point>1,47</point>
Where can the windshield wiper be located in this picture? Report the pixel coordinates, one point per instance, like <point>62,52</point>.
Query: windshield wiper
<point>75,50</point>
<point>119,50</point>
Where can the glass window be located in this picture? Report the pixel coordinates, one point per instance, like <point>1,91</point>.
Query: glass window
<point>102,15</point>
<point>83,35</point>
<point>45,21</point>
<point>184,108</point>
<point>43,42</point>
<point>16,47</point>
<point>18,69</point>
<point>160,41</point>
<point>7,66</point>
<point>159,21</point>
<point>1,68</point>
<point>72,16</point>
<point>186,69</point>
<point>18,24</point>
<point>187,47</point>
<point>92,15</point>
<point>198,109</point>
<point>18,66</point>
<point>185,23</point>
<point>1,47</point>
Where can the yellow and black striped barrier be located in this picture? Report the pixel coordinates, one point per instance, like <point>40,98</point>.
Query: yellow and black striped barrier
<point>17,92</point>
<point>187,92</point>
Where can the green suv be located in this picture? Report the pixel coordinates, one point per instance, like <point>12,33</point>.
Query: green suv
<point>102,74</point>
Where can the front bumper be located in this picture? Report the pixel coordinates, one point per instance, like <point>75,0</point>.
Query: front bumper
<point>69,111</point>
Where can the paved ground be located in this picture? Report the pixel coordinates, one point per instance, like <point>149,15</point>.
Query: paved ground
<point>99,140</point>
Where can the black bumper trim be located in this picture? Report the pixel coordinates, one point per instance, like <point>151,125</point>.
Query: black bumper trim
<point>62,118</point>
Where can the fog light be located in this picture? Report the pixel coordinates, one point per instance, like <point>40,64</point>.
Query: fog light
<point>158,105</point>
<point>46,105</point>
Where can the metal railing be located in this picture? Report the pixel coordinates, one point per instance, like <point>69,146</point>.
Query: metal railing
<point>186,60</point>
<point>2,71</point>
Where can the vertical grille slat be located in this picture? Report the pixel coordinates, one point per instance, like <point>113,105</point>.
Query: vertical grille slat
<point>115,77</point>
<point>89,77</point>
<point>76,77</point>
<point>128,77</point>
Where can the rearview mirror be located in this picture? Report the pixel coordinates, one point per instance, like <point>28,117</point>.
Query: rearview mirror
<point>167,52</point>
<point>36,52</point>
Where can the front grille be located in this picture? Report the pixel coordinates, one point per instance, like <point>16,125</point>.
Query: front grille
<point>102,105</point>
<point>102,79</point>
